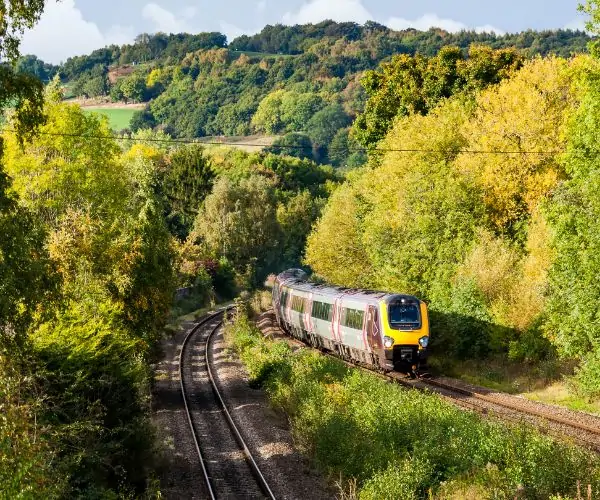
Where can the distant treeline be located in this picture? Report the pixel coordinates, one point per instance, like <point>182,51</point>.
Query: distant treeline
<point>300,82</point>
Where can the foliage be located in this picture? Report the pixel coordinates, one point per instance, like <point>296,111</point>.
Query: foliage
<point>573,214</point>
<point>293,144</point>
<point>408,85</point>
<point>195,85</point>
<point>32,65</point>
<point>465,230</point>
<point>15,17</point>
<point>26,454</point>
<point>238,221</point>
<point>27,279</point>
<point>185,179</point>
<point>63,168</point>
<point>403,444</point>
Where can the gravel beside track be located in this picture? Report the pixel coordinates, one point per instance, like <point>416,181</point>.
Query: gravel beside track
<point>264,431</point>
<point>579,427</point>
<point>179,471</point>
<point>229,473</point>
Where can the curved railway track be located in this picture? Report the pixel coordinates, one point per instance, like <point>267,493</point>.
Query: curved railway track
<point>227,465</point>
<point>581,427</point>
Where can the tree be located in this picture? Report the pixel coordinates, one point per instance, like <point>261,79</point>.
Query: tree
<point>574,214</point>
<point>95,87</point>
<point>62,168</point>
<point>133,87</point>
<point>36,67</point>
<point>297,109</point>
<point>409,85</point>
<point>344,151</point>
<point>522,114</point>
<point>185,179</point>
<point>238,221</point>
<point>293,144</point>
<point>15,17</point>
<point>323,126</point>
<point>268,115</point>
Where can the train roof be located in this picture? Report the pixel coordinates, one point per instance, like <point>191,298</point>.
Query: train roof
<point>300,282</point>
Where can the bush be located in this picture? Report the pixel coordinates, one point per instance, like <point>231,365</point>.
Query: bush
<point>587,377</point>
<point>397,443</point>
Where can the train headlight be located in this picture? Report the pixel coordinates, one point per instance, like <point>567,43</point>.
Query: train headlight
<point>388,342</point>
<point>424,341</point>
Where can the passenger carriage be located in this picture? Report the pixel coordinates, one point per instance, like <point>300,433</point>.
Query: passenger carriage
<point>379,329</point>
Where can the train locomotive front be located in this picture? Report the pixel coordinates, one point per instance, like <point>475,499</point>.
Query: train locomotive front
<point>382,330</point>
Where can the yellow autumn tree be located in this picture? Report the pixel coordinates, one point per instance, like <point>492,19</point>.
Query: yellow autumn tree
<point>515,138</point>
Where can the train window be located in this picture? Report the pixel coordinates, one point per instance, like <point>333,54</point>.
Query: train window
<point>284,298</point>
<point>404,314</point>
<point>352,318</point>
<point>306,306</point>
<point>321,310</point>
<point>297,303</point>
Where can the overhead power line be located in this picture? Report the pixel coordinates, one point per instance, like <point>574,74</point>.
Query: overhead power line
<point>295,146</point>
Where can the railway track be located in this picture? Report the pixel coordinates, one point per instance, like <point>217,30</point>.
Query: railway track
<point>227,465</point>
<point>580,427</point>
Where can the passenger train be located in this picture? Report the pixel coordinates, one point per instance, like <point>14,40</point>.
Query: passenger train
<point>383,330</point>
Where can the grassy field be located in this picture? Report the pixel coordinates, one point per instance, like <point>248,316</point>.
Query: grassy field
<point>118,118</point>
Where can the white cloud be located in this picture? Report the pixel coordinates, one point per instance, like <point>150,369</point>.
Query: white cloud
<point>576,24</point>
<point>62,32</point>
<point>315,11</point>
<point>337,10</point>
<point>167,22</point>
<point>427,21</point>
<point>231,31</point>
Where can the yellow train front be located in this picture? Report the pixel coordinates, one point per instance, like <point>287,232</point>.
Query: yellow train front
<point>379,329</point>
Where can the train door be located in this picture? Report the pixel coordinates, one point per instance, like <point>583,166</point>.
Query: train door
<point>373,332</point>
<point>308,327</point>
<point>335,321</point>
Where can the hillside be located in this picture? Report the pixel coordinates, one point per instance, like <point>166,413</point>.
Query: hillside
<point>285,79</point>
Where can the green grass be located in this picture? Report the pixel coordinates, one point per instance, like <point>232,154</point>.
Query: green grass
<point>392,443</point>
<point>118,118</point>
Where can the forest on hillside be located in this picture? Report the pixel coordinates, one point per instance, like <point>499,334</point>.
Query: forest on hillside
<point>300,81</point>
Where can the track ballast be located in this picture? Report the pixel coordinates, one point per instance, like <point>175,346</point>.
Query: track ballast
<point>227,464</point>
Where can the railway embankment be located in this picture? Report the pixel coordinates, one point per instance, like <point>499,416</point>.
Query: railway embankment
<point>387,441</point>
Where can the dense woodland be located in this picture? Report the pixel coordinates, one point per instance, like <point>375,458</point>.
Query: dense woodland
<point>300,81</point>
<point>475,188</point>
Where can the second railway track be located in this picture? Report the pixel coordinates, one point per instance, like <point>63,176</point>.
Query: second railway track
<point>227,464</point>
<point>580,427</point>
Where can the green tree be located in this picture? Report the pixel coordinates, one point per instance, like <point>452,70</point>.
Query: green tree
<point>408,84</point>
<point>62,168</point>
<point>133,87</point>
<point>293,144</point>
<point>574,214</point>
<point>323,126</point>
<point>268,115</point>
<point>297,109</point>
<point>238,221</point>
<point>185,179</point>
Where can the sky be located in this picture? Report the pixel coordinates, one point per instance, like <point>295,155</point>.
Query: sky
<point>75,27</point>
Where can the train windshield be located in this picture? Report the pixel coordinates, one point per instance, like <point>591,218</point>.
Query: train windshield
<point>404,314</point>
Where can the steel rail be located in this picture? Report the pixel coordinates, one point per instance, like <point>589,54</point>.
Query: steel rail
<point>435,385</point>
<point>260,479</point>
<point>191,333</point>
<point>516,407</point>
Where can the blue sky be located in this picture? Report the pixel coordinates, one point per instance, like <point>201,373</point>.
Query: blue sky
<point>72,27</point>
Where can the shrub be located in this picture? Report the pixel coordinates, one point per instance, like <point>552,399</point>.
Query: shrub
<point>398,443</point>
<point>587,377</point>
